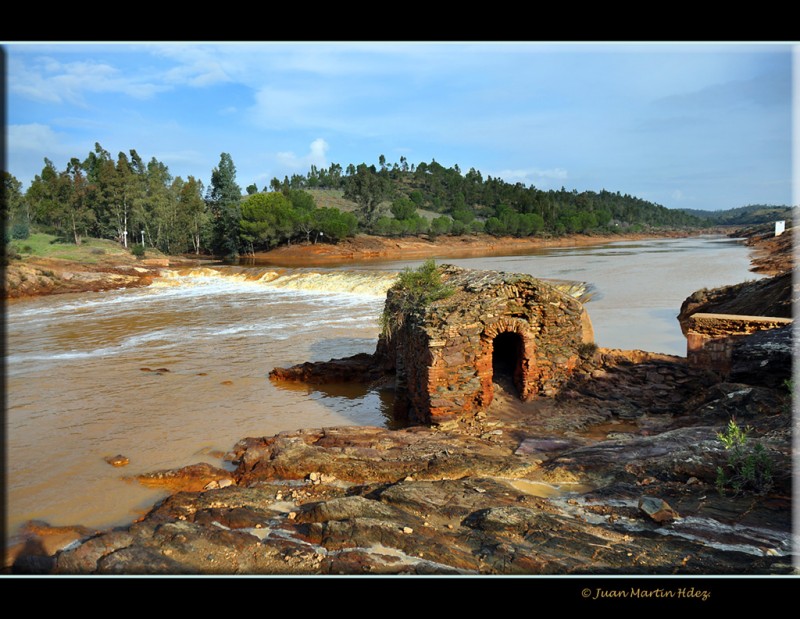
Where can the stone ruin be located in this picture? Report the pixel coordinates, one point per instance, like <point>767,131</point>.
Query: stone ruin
<point>446,354</point>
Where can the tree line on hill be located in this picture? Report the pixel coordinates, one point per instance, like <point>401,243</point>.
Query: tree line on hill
<point>133,201</point>
<point>752,214</point>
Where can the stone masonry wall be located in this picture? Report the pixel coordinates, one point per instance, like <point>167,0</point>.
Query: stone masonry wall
<point>442,354</point>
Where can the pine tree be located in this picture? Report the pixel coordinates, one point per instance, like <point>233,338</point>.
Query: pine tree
<point>223,199</point>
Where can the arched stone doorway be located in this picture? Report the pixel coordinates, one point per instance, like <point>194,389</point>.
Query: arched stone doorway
<point>509,352</point>
<point>507,355</point>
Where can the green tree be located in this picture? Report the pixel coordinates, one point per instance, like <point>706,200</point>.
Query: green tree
<point>193,209</point>
<point>15,211</point>
<point>333,224</point>
<point>224,196</point>
<point>77,212</point>
<point>266,220</point>
<point>368,190</point>
<point>403,208</point>
<point>441,225</point>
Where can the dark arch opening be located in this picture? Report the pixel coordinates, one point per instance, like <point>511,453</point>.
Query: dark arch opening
<point>507,353</point>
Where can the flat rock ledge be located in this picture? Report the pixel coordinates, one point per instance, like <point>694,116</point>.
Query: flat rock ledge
<point>571,485</point>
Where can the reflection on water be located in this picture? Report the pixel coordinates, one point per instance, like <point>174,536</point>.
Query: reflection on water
<point>76,392</point>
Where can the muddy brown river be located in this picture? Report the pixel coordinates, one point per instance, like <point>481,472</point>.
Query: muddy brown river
<point>83,379</point>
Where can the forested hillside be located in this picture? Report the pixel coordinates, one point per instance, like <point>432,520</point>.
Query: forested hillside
<point>137,202</point>
<point>744,215</point>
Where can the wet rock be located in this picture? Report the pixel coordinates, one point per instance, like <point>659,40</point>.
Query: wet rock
<point>118,460</point>
<point>657,509</point>
<point>362,367</point>
<point>192,478</point>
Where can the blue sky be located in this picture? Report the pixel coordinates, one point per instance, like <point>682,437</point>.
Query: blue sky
<point>697,126</point>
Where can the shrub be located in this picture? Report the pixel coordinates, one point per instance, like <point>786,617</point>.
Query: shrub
<point>20,231</point>
<point>419,288</point>
<point>10,254</point>
<point>99,251</point>
<point>137,250</point>
<point>587,349</point>
<point>749,467</point>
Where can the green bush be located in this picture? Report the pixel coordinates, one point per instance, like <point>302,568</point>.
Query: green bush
<point>138,250</point>
<point>749,467</point>
<point>20,231</point>
<point>419,288</point>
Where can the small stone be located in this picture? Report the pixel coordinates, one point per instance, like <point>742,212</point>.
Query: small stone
<point>426,524</point>
<point>279,496</point>
<point>291,515</point>
<point>449,526</point>
<point>409,478</point>
<point>118,460</point>
<point>692,481</point>
<point>657,509</point>
<point>226,382</point>
<point>408,530</point>
<point>211,485</point>
<point>313,476</point>
<point>224,483</point>
<point>258,525</point>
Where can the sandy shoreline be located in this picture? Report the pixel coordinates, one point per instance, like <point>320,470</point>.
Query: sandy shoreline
<point>374,248</point>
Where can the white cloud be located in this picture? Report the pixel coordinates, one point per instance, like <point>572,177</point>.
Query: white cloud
<point>45,79</point>
<point>29,144</point>
<point>33,137</point>
<point>532,175</point>
<point>316,155</point>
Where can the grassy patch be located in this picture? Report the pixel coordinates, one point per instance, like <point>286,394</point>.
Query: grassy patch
<point>42,245</point>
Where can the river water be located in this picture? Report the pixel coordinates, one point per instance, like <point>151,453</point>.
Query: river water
<point>82,381</point>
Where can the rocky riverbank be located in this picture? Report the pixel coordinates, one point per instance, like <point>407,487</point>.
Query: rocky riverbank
<point>44,276</point>
<point>619,474</point>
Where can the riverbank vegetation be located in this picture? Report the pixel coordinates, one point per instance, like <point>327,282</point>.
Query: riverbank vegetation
<point>130,200</point>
